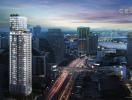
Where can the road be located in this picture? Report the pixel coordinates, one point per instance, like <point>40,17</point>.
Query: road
<point>57,85</point>
<point>61,79</point>
<point>68,88</point>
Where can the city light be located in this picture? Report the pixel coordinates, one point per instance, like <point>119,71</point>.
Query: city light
<point>66,50</point>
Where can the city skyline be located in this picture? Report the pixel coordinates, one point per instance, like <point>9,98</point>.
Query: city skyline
<point>69,14</point>
<point>56,65</point>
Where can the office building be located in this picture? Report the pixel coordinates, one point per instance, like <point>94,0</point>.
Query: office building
<point>20,77</point>
<point>83,33</point>
<point>55,38</point>
<point>36,30</point>
<point>4,43</point>
<point>67,46</point>
<point>87,42</point>
<point>35,43</point>
<point>40,65</point>
<point>35,39</point>
<point>92,43</point>
<point>71,46</point>
<point>129,49</point>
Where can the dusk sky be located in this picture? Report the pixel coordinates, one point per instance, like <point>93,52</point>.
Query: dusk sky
<point>69,14</point>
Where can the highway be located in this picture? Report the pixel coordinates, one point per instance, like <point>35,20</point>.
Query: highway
<point>68,88</point>
<point>57,85</point>
<point>61,79</point>
<point>62,88</point>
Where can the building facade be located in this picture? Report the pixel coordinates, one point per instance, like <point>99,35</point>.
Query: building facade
<point>87,42</point>
<point>83,33</point>
<point>55,38</point>
<point>92,43</point>
<point>39,65</point>
<point>129,49</point>
<point>36,30</point>
<point>20,81</point>
<point>4,42</point>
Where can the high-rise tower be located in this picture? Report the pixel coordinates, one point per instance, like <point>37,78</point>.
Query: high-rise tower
<point>87,42</point>
<point>55,38</point>
<point>20,81</point>
<point>83,33</point>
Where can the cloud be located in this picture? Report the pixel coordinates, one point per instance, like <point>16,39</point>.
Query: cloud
<point>72,11</point>
<point>95,16</point>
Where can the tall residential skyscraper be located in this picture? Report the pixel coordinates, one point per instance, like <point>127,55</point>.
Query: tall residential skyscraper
<point>87,42</point>
<point>20,82</point>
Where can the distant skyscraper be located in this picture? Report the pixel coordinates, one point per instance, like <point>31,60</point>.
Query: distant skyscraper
<point>4,42</point>
<point>55,38</point>
<point>129,49</point>
<point>36,33</point>
<point>87,42</point>
<point>92,43</point>
<point>35,43</point>
<point>83,33</point>
<point>37,30</point>
<point>20,56</point>
<point>40,65</point>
